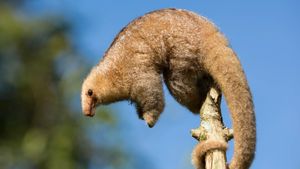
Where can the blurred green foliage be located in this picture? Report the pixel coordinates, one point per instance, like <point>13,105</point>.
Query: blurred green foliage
<point>40,127</point>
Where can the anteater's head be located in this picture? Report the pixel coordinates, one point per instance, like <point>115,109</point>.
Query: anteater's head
<point>94,92</point>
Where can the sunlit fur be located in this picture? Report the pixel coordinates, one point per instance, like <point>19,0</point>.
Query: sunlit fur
<point>190,54</point>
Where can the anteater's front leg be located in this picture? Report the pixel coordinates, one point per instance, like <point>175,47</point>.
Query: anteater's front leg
<point>147,93</point>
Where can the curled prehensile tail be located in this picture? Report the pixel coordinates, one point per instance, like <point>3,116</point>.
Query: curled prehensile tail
<point>225,68</point>
<point>202,148</point>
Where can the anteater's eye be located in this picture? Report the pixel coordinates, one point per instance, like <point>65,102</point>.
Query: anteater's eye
<point>90,92</point>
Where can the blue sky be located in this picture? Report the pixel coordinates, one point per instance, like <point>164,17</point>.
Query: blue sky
<point>266,37</point>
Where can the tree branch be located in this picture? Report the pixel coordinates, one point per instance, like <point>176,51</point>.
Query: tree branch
<point>212,128</point>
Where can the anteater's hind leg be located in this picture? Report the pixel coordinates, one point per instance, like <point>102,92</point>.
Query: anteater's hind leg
<point>188,87</point>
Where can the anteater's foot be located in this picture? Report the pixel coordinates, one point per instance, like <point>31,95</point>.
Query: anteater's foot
<point>151,118</point>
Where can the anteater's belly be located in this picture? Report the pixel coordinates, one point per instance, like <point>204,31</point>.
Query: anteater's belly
<point>187,84</point>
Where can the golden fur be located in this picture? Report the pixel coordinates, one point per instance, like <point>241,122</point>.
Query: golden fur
<point>190,54</point>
